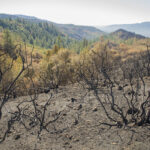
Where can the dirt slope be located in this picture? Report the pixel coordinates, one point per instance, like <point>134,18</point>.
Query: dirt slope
<point>79,123</point>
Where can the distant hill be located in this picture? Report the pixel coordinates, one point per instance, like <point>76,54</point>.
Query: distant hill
<point>42,34</point>
<point>139,28</point>
<point>125,35</point>
<point>70,30</point>
<point>80,32</point>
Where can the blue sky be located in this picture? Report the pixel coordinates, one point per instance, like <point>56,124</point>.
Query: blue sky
<point>81,12</point>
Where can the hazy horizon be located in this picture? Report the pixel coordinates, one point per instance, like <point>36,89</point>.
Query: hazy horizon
<point>85,12</point>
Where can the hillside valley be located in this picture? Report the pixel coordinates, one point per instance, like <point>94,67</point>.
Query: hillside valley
<point>142,28</point>
<point>66,86</point>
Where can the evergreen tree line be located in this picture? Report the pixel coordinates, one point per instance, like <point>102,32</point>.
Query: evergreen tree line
<point>42,34</point>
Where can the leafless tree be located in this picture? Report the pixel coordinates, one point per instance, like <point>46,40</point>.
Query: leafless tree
<point>31,112</point>
<point>123,84</point>
<point>8,87</point>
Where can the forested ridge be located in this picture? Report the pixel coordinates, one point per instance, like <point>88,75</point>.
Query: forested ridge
<point>46,34</point>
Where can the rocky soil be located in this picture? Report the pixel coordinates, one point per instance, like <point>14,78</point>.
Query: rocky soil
<point>79,126</point>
